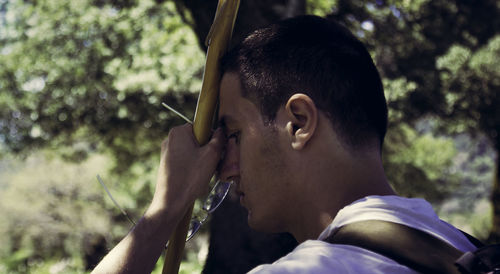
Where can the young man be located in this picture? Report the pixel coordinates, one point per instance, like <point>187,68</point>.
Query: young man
<point>304,116</point>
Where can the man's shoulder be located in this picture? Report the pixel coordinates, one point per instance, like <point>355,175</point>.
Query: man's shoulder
<point>413,212</point>
<point>316,256</point>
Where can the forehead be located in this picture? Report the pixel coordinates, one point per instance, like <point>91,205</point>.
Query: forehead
<point>233,107</point>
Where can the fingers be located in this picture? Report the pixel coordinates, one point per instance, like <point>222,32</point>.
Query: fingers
<point>181,151</point>
<point>185,166</point>
<point>212,153</point>
<point>182,132</point>
<point>217,142</point>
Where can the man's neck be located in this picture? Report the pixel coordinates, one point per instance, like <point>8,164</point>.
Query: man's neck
<point>334,185</point>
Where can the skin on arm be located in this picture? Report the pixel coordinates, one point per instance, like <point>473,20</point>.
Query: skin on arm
<point>184,173</point>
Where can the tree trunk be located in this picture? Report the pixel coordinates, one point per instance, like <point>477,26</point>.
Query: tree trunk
<point>251,15</point>
<point>234,247</point>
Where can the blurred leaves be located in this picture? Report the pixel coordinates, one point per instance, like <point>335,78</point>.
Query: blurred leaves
<point>320,7</point>
<point>431,44</point>
<point>80,77</point>
<point>50,209</point>
<point>419,165</point>
<point>472,81</point>
<point>71,69</point>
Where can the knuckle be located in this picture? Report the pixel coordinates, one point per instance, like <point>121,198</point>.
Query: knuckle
<point>211,148</point>
<point>179,130</point>
<point>174,130</point>
<point>184,128</point>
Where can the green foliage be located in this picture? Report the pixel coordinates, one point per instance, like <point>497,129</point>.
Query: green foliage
<point>165,56</point>
<point>320,7</point>
<point>395,90</point>
<point>70,69</point>
<point>55,213</point>
<point>191,265</point>
<point>444,48</point>
<point>79,77</point>
<point>50,209</point>
<point>474,164</point>
<point>419,165</point>
<point>72,265</point>
<point>472,79</point>
<point>193,261</point>
<point>475,220</point>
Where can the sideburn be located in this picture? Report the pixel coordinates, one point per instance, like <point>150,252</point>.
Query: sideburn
<point>271,152</point>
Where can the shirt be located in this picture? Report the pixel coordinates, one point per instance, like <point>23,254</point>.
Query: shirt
<point>317,256</point>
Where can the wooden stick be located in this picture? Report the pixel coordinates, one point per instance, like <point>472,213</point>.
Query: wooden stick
<point>218,40</point>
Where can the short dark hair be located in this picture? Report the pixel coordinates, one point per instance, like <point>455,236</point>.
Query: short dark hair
<point>320,58</point>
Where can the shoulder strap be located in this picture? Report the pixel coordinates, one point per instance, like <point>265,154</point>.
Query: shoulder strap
<point>483,260</point>
<point>413,248</point>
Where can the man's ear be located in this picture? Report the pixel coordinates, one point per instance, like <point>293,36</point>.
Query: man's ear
<point>303,119</point>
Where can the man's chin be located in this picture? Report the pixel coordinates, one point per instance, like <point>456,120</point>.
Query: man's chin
<point>253,223</point>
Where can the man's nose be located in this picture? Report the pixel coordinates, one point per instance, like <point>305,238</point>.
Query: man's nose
<point>230,164</point>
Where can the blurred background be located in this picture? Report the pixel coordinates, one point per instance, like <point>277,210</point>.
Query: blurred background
<point>81,86</point>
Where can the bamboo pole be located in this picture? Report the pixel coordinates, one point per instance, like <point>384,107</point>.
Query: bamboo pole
<point>218,40</point>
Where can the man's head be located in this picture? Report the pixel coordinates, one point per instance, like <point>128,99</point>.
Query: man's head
<point>321,59</point>
<point>304,111</point>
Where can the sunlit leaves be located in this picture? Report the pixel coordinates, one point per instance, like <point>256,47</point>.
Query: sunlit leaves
<point>156,64</point>
<point>412,6</point>
<point>485,61</point>
<point>396,90</point>
<point>73,65</point>
<point>472,81</point>
<point>454,59</point>
<point>419,164</point>
<point>321,7</point>
<point>50,208</point>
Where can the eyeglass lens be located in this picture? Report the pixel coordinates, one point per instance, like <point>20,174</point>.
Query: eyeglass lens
<point>213,201</point>
<point>216,196</point>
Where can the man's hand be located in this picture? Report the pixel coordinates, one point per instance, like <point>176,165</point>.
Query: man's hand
<point>184,173</point>
<point>185,167</point>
